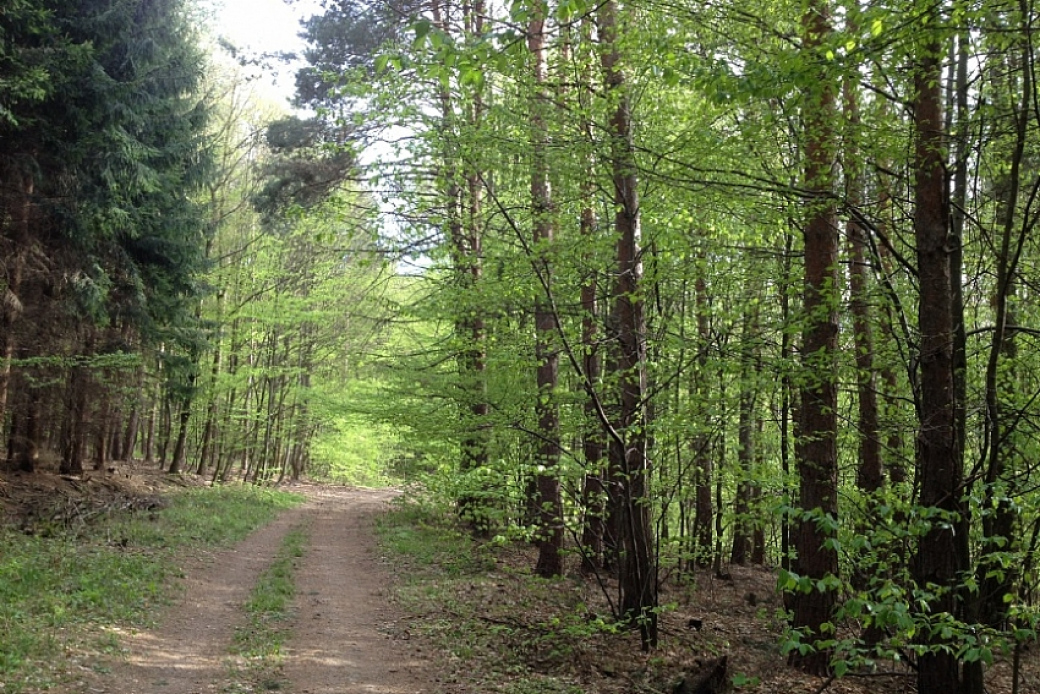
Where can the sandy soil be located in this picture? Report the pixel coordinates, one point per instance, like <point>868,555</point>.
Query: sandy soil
<point>342,636</point>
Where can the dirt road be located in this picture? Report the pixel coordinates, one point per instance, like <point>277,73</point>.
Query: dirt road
<point>341,640</point>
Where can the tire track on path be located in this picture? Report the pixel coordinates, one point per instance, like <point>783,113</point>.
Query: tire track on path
<point>187,653</point>
<point>341,641</point>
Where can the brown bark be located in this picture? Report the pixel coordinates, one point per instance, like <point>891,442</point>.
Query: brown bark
<point>75,426</point>
<point>817,431</point>
<point>26,450</point>
<point>869,473</point>
<point>180,448</point>
<point>637,570</point>
<point>937,560</point>
<point>703,466</point>
<point>547,457</point>
<point>11,308</point>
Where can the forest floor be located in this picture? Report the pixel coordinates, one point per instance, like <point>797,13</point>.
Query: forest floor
<point>445,615</point>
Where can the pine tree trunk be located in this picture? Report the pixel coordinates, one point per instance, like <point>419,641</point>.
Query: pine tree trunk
<point>11,306</point>
<point>547,456</point>
<point>180,448</point>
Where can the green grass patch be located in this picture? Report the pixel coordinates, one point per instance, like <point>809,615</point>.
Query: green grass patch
<point>498,625</point>
<point>427,539</point>
<point>259,643</point>
<point>61,595</point>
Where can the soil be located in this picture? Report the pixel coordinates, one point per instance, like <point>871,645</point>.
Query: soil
<point>342,637</point>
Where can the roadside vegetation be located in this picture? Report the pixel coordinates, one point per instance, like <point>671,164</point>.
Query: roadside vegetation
<point>498,627</point>
<point>477,609</point>
<point>65,592</point>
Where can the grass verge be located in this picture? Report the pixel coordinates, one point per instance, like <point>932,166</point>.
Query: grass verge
<point>60,595</point>
<point>258,645</point>
<point>500,629</point>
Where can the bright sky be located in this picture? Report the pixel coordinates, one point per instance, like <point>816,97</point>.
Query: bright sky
<point>265,26</point>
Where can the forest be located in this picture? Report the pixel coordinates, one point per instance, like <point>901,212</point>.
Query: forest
<point>660,288</point>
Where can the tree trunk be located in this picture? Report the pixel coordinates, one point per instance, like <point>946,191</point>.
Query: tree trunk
<point>547,457</point>
<point>816,444</point>
<point>10,302</point>
<point>595,492</point>
<point>996,581</point>
<point>74,429</point>
<point>26,453</point>
<point>179,450</point>
<point>638,576</point>
<point>869,473</point>
<point>745,455</point>
<point>938,559</point>
<point>702,453</point>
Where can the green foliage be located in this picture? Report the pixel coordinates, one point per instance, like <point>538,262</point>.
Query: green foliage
<point>445,392</point>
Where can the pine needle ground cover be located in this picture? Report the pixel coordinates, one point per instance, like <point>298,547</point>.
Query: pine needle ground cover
<point>65,589</point>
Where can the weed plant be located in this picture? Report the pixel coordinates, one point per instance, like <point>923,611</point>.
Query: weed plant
<point>60,596</point>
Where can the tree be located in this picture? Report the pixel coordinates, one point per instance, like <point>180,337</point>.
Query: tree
<point>939,556</point>
<point>638,575</point>
<point>550,505</point>
<point>817,558</point>
<point>103,151</point>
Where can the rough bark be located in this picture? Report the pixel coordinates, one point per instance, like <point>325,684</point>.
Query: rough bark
<point>818,425</point>
<point>547,456</point>
<point>11,307</point>
<point>937,559</point>
<point>637,571</point>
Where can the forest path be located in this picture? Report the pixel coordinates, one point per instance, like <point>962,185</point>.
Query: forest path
<point>340,642</point>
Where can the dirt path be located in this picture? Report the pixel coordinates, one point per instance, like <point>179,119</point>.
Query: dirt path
<point>340,642</point>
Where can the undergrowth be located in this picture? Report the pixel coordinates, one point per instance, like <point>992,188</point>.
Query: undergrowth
<point>60,596</point>
<point>502,630</point>
<point>259,643</point>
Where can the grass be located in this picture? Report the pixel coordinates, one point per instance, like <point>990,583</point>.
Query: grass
<point>492,623</point>
<point>259,643</point>
<point>61,595</point>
